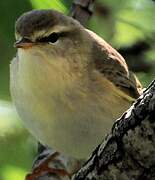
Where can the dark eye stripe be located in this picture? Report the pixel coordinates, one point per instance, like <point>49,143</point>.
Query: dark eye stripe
<point>52,38</point>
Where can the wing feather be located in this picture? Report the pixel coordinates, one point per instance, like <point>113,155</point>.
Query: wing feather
<point>113,66</point>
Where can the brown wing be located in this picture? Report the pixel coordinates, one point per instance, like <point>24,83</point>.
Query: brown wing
<point>113,66</point>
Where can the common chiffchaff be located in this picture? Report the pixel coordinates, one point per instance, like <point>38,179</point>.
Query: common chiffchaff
<point>67,83</point>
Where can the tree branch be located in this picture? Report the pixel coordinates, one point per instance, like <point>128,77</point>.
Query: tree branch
<point>82,10</point>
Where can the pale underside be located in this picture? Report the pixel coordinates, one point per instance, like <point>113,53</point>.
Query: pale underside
<point>60,110</point>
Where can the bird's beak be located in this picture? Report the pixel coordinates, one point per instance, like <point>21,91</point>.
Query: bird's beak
<point>23,43</point>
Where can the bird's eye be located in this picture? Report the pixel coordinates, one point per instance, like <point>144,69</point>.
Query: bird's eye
<point>52,38</point>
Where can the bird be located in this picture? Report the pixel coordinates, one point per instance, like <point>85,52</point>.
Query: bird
<point>67,83</point>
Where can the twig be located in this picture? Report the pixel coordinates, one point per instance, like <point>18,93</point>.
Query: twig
<point>82,10</point>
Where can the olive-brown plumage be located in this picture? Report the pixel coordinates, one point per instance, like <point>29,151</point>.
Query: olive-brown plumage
<point>67,83</point>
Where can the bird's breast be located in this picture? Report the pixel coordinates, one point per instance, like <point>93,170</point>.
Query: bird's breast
<point>60,112</point>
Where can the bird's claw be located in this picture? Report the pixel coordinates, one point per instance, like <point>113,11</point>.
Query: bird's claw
<point>45,168</point>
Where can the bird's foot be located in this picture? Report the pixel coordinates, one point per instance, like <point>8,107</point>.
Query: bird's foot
<point>49,165</point>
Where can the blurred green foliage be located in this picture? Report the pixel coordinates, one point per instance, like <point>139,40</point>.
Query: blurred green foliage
<point>122,23</point>
<point>45,4</point>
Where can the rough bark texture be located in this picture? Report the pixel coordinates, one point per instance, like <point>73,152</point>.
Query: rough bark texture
<point>129,150</point>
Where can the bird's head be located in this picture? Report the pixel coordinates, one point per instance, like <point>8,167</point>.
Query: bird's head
<point>53,35</point>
